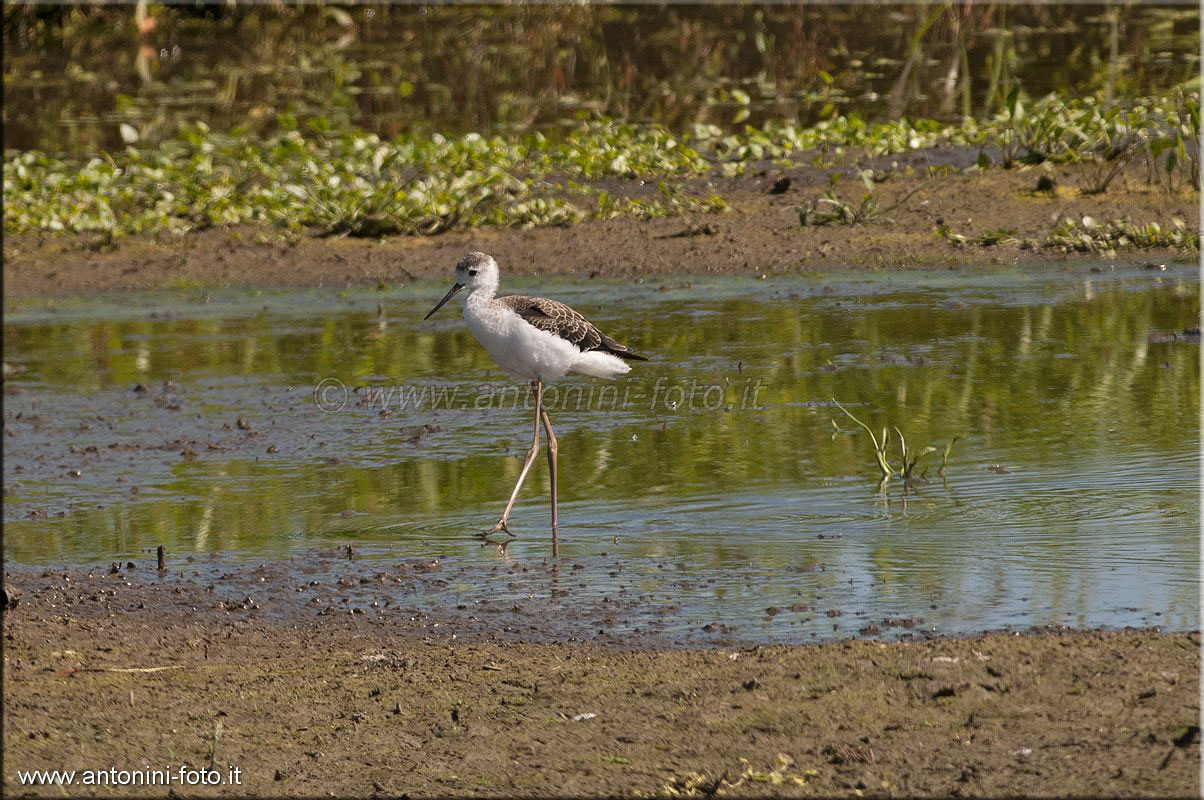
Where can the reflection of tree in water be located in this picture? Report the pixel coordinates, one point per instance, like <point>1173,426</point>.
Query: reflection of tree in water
<point>393,68</point>
<point>1060,384</point>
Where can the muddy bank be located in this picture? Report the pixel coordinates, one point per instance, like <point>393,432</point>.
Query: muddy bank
<point>760,234</point>
<point>108,670</point>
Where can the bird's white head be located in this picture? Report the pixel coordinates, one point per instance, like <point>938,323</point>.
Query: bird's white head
<point>476,271</point>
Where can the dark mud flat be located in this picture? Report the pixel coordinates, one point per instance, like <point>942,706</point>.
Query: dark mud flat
<point>132,669</point>
<point>599,601</point>
<point>760,235</point>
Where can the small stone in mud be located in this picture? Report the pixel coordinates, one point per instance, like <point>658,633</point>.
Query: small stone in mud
<point>243,425</point>
<point>416,434</point>
<point>140,388</point>
<point>751,684</point>
<point>1186,735</point>
<point>781,185</point>
<point>1046,184</point>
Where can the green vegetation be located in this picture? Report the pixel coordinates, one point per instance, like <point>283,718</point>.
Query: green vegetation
<point>830,209</point>
<point>909,458</point>
<point>1098,137</point>
<point>699,784</point>
<point>353,183</point>
<point>88,78</point>
<point>1090,236</point>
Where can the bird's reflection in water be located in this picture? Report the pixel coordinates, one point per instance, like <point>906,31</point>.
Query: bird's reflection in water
<point>503,549</point>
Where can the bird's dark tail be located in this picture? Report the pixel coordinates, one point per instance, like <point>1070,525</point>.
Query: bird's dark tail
<point>621,350</point>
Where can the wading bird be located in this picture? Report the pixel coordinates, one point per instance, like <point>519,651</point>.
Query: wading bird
<point>535,339</point>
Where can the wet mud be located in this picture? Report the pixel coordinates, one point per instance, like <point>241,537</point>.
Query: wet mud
<point>120,667</point>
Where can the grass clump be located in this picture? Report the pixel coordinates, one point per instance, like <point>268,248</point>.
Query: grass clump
<point>1099,139</point>
<point>831,209</point>
<point>1087,235</point>
<point>698,784</point>
<point>909,459</point>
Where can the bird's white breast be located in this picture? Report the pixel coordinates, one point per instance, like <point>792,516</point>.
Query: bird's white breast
<point>517,346</point>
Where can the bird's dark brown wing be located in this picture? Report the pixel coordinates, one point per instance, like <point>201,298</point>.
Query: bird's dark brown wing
<point>560,320</point>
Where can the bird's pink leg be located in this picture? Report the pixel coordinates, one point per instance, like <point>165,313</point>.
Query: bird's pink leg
<point>534,451</point>
<point>547,429</point>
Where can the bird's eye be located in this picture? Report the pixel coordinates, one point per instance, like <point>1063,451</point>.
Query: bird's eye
<point>472,272</point>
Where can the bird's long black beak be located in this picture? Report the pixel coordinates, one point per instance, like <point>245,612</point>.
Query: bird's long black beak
<point>450,294</point>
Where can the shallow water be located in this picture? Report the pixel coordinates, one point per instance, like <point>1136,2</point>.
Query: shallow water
<point>1071,498</point>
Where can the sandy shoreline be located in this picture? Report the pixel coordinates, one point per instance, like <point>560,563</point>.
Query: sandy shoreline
<point>120,670</point>
<point>761,234</point>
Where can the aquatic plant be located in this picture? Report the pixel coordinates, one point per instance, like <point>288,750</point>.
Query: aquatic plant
<point>357,184</point>
<point>987,239</point>
<point>346,182</point>
<point>909,459</point>
<point>1180,144</point>
<point>1087,235</point>
<point>830,209</point>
